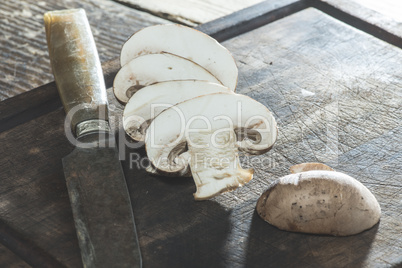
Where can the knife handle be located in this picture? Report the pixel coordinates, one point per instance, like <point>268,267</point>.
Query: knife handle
<point>77,70</point>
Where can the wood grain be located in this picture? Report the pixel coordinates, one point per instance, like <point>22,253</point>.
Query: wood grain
<point>191,12</point>
<point>44,99</point>
<point>335,92</point>
<point>24,248</point>
<point>337,103</point>
<point>33,177</point>
<point>386,15</point>
<point>389,8</point>
<point>24,51</point>
<point>363,18</point>
<point>9,259</point>
<point>250,18</point>
<point>25,63</point>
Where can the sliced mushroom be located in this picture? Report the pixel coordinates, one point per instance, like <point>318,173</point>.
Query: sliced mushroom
<point>150,101</point>
<point>153,68</point>
<point>202,133</point>
<point>319,202</point>
<point>185,42</point>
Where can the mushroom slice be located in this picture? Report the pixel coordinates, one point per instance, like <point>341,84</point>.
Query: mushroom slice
<point>150,101</point>
<point>153,68</point>
<point>185,42</point>
<point>208,126</point>
<point>309,166</point>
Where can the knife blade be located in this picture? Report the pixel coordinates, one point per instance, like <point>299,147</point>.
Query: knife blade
<point>97,189</point>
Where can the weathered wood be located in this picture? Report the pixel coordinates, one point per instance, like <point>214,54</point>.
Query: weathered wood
<point>380,18</point>
<point>43,99</point>
<point>250,18</point>
<point>9,259</point>
<point>190,12</point>
<point>32,176</point>
<point>385,15</point>
<point>363,18</point>
<point>310,71</point>
<point>389,8</point>
<point>15,111</point>
<point>336,101</point>
<point>25,248</point>
<point>25,63</point>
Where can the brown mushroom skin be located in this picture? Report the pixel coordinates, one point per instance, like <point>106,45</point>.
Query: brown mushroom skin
<point>319,202</point>
<point>309,166</point>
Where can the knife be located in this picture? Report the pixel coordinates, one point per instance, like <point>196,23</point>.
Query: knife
<point>97,189</point>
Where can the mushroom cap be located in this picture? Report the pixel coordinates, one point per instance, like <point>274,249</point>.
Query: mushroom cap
<point>153,68</point>
<point>320,202</point>
<point>217,112</point>
<point>185,42</point>
<point>309,166</point>
<point>151,100</point>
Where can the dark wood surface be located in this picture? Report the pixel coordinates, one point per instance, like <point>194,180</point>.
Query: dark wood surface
<point>336,93</point>
<point>24,56</point>
<point>9,259</point>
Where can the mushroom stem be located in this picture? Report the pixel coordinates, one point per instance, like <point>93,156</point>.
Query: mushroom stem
<point>214,163</point>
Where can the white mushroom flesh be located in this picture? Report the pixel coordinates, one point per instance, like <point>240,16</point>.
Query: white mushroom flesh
<point>151,100</point>
<point>215,163</point>
<point>153,68</point>
<point>187,43</point>
<point>203,123</point>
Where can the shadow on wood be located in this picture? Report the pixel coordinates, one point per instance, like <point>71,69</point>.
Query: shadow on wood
<point>173,229</point>
<point>269,245</point>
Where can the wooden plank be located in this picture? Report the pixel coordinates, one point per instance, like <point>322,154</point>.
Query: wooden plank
<point>24,55</point>
<point>23,247</point>
<point>309,70</point>
<point>250,18</point>
<point>385,14</point>
<point>191,12</point>
<point>9,259</point>
<point>336,102</point>
<point>389,8</point>
<point>375,19</point>
<point>25,63</point>
<point>33,195</point>
<point>43,99</point>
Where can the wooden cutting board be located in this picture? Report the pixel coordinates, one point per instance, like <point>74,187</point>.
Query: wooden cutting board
<point>333,81</point>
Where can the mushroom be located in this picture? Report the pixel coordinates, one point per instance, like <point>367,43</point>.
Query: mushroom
<point>319,202</point>
<point>309,166</point>
<point>205,134</point>
<point>153,68</point>
<point>151,100</point>
<point>187,43</point>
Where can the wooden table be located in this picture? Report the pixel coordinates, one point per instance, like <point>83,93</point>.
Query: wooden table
<point>330,71</point>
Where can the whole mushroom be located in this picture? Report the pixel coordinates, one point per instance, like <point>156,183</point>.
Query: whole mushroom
<point>319,202</point>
